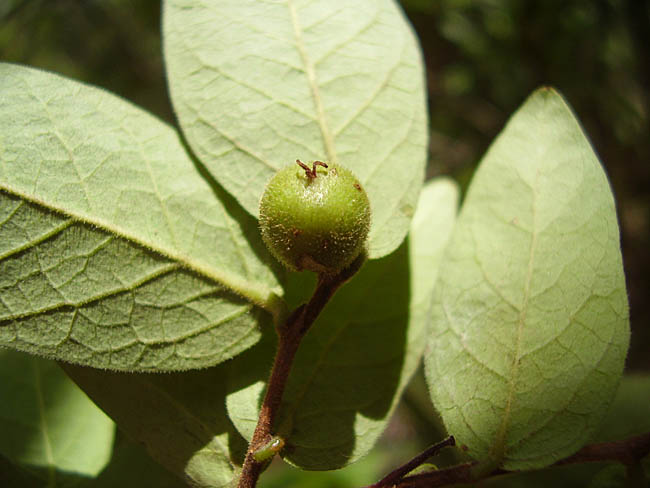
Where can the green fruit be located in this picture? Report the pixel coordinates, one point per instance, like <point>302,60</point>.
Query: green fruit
<point>315,219</point>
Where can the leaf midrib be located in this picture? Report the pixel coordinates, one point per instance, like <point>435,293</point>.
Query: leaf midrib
<point>328,140</point>
<point>257,294</point>
<point>498,450</point>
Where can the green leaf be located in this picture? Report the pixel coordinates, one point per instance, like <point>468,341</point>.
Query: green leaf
<point>180,418</point>
<point>256,85</point>
<point>353,365</point>
<point>47,422</point>
<point>530,316</point>
<point>114,251</point>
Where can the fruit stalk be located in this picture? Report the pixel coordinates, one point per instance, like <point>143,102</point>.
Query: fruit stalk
<point>290,335</point>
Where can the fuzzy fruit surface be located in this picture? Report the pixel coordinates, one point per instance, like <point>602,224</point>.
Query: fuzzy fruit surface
<point>316,221</point>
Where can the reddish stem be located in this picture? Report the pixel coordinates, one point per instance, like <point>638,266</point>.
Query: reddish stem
<point>395,476</point>
<point>290,335</point>
<point>287,347</point>
<point>628,452</point>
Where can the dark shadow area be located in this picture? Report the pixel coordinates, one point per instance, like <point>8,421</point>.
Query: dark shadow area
<point>590,474</point>
<point>131,466</point>
<point>13,476</point>
<point>115,45</point>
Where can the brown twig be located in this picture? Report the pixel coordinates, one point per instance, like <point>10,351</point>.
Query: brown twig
<point>394,476</point>
<point>290,335</point>
<point>461,473</point>
<point>628,452</point>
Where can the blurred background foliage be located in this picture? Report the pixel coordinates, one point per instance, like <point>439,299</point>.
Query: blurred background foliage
<point>483,58</point>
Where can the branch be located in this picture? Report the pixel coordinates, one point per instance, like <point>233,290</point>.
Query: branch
<point>395,476</point>
<point>290,335</point>
<point>628,452</point>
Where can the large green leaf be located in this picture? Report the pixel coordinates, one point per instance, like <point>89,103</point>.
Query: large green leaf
<point>180,418</point>
<point>47,423</point>
<point>530,316</point>
<point>114,251</point>
<point>354,363</point>
<point>256,85</point>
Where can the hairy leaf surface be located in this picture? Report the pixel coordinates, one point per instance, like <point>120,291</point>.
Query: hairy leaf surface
<point>354,363</point>
<point>530,316</point>
<point>47,423</point>
<point>256,85</point>
<point>114,251</point>
<point>179,417</point>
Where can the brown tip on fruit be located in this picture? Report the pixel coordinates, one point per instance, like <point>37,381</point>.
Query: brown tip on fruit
<point>311,173</point>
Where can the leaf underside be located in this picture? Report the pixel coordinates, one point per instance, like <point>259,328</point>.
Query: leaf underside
<point>354,363</point>
<point>114,250</point>
<point>256,85</point>
<point>530,319</point>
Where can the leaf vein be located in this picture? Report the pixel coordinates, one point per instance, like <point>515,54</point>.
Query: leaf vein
<point>310,71</point>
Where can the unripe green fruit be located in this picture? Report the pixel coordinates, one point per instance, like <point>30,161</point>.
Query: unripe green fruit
<point>315,219</point>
